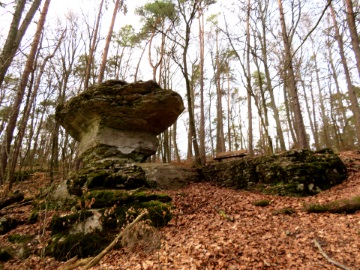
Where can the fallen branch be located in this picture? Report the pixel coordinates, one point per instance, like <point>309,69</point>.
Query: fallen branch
<point>92,261</point>
<point>328,258</point>
<point>96,260</point>
<point>74,263</point>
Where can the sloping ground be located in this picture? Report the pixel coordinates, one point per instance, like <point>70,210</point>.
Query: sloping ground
<point>219,228</point>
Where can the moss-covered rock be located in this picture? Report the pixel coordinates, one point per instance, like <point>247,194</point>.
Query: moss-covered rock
<point>65,246</point>
<point>114,174</point>
<point>72,234</point>
<point>292,173</point>
<point>7,224</point>
<point>6,254</point>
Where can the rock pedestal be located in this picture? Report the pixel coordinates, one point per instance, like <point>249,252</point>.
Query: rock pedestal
<point>116,124</point>
<point>117,119</point>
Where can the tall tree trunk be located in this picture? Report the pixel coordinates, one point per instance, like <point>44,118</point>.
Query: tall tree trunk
<point>264,54</point>
<point>248,85</point>
<point>351,90</point>
<point>107,42</point>
<point>220,142</point>
<point>288,114</point>
<point>6,144</point>
<point>138,63</point>
<point>294,98</point>
<point>92,48</point>
<point>355,43</point>
<point>15,35</point>
<point>312,116</point>
<point>176,149</point>
<point>322,106</point>
<point>202,113</point>
<point>229,109</point>
<point>27,109</point>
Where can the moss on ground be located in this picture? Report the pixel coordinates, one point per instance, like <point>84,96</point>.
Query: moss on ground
<point>346,206</point>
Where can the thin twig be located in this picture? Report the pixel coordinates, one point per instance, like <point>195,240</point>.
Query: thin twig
<point>328,258</point>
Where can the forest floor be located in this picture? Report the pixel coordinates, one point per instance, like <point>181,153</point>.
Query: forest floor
<point>219,228</point>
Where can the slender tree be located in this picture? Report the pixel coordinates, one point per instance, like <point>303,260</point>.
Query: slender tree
<point>355,42</point>
<point>6,143</point>
<point>291,84</point>
<point>90,57</point>
<point>16,34</point>
<point>118,4</point>
<point>351,90</point>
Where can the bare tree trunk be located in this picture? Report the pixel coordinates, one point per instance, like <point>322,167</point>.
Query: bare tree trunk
<point>294,99</point>
<point>351,90</point>
<point>355,43</point>
<point>248,86</point>
<point>264,53</point>
<point>176,150</point>
<point>322,106</point>
<point>138,64</point>
<point>312,116</point>
<point>202,113</point>
<point>107,42</point>
<point>92,48</point>
<point>220,142</point>
<point>6,144</point>
<point>15,35</point>
<point>27,109</point>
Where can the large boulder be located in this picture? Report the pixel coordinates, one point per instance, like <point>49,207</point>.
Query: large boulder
<point>293,173</point>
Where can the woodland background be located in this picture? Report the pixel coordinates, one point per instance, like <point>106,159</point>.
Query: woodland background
<point>263,75</point>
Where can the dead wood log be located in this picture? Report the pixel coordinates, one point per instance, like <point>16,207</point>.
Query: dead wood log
<point>16,197</point>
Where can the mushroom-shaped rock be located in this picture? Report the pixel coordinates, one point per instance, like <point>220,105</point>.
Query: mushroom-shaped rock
<point>117,119</point>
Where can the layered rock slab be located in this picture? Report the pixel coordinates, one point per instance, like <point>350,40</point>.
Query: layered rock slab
<point>292,173</point>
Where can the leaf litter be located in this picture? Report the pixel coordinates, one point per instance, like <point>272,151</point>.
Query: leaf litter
<point>219,228</point>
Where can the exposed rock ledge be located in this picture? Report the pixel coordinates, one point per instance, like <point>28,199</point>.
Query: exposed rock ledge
<point>292,173</point>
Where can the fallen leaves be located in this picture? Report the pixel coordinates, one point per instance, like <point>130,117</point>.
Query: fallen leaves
<point>219,228</point>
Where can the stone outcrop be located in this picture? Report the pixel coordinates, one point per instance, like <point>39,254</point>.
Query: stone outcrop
<point>292,173</point>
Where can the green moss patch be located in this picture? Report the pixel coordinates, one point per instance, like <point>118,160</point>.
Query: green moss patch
<point>346,206</point>
<point>20,238</point>
<point>261,203</point>
<point>60,224</point>
<point>65,246</point>
<point>284,211</point>
<point>5,254</point>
